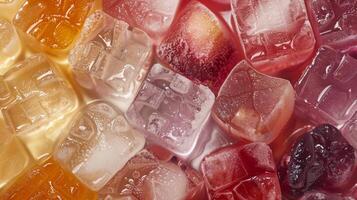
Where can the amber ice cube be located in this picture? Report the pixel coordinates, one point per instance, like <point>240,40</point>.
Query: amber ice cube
<point>10,46</point>
<point>99,143</point>
<point>48,181</point>
<point>52,25</point>
<point>14,159</point>
<point>35,100</point>
<point>111,59</point>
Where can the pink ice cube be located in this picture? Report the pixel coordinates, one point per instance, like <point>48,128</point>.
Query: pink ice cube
<point>337,22</point>
<point>171,110</point>
<point>327,91</point>
<point>241,172</point>
<point>275,34</point>
<point>199,46</point>
<point>152,16</point>
<point>253,106</point>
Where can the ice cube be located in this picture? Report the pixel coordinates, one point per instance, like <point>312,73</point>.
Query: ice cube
<point>145,177</point>
<point>111,59</point>
<point>337,21</point>
<point>171,110</point>
<point>253,106</point>
<point>212,138</point>
<point>275,34</point>
<point>36,101</point>
<point>327,90</point>
<point>152,16</point>
<point>99,143</point>
<point>14,159</point>
<point>6,1</point>
<point>47,181</point>
<point>320,158</point>
<point>199,46</point>
<point>51,26</point>
<point>241,172</point>
<point>10,46</point>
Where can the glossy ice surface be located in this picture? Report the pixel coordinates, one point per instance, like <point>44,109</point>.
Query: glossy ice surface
<point>52,25</point>
<point>111,59</point>
<point>171,110</point>
<point>275,34</point>
<point>9,44</point>
<point>152,16</point>
<point>47,181</point>
<point>34,98</point>
<point>320,158</point>
<point>14,159</point>
<point>241,172</point>
<point>327,91</point>
<point>252,105</point>
<point>349,130</point>
<point>337,21</point>
<point>146,178</point>
<point>199,46</point>
<point>99,143</point>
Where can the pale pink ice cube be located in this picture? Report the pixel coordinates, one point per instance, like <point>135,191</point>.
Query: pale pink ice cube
<point>275,34</point>
<point>241,172</point>
<point>337,22</point>
<point>99,143</point>
<point>171,110</point>
<point>152,16</point>
<point>327,90</point>
<point>111,59</point>
<point>253,106</point>
<point>145,177</point>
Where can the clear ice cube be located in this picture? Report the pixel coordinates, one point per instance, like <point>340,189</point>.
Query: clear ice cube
<point>99,143</point>
<point>111,59</point>
<point>337,22</point>
<point>171,110</point>
<point>253,106</point>
<point>145,177</point>
<point>327,90</point>
<point>275,34</point>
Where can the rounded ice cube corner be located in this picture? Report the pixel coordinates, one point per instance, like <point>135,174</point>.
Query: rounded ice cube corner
<point>178,99</point>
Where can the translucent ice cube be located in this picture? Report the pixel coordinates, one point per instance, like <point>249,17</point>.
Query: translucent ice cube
<point>171,110</point>
<point>51,25</point>
<point>241,172</point>
<point>252,105</point>
<point>152,16</point>
<point>275,34</point>
<point>99,143</point>
<point>337,21</point>
<point>47,181</point>
<point>10,46</point>
<point>327,91</point>
<point>111,59</point>
<point>14,159</point>
<point>35,101</point>
<point>199,46</point>
<point>145,177</point>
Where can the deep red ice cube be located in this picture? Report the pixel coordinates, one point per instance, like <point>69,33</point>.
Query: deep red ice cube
<point>199,46</point>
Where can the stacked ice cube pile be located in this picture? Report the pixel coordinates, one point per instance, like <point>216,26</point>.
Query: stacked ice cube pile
<point>178,99</point>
